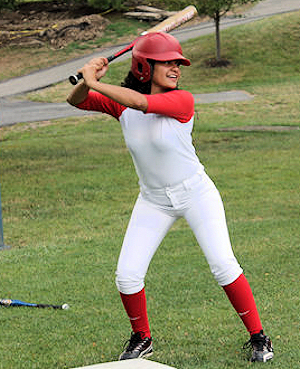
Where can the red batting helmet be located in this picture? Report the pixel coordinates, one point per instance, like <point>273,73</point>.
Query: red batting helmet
<point>158,46</point>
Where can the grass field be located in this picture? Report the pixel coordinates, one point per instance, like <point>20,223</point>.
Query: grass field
<point>68,187</point>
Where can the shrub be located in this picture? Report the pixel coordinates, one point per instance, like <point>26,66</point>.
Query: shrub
<point>8,4</point>
<point>105,4</point>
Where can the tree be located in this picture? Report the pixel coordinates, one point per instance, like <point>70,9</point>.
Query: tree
<point>8,4</point>
<point>216,9</point>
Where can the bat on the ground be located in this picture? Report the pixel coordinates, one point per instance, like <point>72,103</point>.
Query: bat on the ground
<point>19,303</point>
<point>165,26</point>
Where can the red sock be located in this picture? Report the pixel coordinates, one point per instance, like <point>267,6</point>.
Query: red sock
<point>136,308</point>
<point>241,297</point>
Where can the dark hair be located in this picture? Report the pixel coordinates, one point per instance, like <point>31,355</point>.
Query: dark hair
<point>132,82</point>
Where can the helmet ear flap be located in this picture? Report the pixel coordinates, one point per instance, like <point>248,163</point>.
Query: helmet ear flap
<point>141,69</point>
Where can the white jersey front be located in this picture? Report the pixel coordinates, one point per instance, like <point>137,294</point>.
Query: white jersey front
<point>161,148</point>
<point>160,140</point>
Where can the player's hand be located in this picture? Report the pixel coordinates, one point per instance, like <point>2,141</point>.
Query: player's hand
<point>94,70</point>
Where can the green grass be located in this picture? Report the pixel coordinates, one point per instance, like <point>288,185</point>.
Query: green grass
<point>67,193</point>
<point>260,53</point>
<point>68,187</point>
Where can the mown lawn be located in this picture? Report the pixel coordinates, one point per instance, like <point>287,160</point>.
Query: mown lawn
<point>68,187</point>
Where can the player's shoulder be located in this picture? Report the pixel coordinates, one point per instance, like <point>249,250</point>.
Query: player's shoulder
<point>180,92</point>
<point>185,95</point>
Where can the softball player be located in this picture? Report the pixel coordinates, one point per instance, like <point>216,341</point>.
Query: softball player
<point>157,121</point>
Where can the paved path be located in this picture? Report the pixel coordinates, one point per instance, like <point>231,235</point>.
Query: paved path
<point>13,111</point>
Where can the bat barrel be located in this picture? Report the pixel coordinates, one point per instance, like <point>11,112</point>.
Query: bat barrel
<point>174,21</point>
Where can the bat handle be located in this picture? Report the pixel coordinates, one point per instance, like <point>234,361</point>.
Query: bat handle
<point>77,77</point>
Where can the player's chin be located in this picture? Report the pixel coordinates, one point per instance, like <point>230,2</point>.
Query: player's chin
<point>171,85</point>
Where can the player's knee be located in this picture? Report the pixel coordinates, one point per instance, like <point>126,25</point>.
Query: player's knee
<point>129,282</point>
<point>226,272</point>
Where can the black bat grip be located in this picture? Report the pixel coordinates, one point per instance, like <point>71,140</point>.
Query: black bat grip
<point>77,77</point>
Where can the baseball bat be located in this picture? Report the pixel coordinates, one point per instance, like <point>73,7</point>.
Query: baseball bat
<point>165,26</point>
<point>19,303</point>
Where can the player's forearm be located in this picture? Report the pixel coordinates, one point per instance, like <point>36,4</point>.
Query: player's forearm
<point>122,95</point>
<point>78,94</point>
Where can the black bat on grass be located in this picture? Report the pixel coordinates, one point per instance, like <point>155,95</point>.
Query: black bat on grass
<point>19,303</point>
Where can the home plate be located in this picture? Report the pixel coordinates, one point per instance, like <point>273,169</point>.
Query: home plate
<point>129,364</point>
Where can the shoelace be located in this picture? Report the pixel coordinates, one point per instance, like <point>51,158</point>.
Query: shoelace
<point>132,342</point>
<point>259,341</point>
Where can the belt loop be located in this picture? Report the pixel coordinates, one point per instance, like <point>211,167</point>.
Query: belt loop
<point>186,184</point>
<point>190,182</point>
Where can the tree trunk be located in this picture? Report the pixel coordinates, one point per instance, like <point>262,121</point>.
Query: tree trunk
<point>218,42</point>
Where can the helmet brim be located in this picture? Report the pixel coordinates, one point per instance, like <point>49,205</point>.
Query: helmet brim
<point>170,56</point>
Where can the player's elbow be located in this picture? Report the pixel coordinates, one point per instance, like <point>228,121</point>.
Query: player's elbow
<point>70,101</point>
<point>140,103</point>
<point>74,101</point>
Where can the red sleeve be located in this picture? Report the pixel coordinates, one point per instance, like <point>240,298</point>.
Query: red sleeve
<point>178,104</point>
<point>98,102</point>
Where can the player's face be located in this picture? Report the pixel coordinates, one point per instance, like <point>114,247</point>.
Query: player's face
<point>165,76</point>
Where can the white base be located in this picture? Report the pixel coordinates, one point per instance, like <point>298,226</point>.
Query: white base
<point>129,364</point>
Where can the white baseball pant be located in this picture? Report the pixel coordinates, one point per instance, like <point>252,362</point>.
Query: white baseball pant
<point>199,202</point>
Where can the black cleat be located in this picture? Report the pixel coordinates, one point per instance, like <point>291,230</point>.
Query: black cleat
<point>137,347</point>
<point>262,349</point>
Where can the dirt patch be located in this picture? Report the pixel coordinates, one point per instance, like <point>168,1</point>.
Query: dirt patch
<point>54,23</point>
<point>215,63</point>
